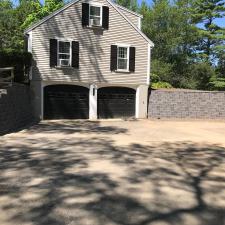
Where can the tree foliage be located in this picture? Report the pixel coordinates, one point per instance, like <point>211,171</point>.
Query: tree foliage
<point>40,11</point>
<point>129,4</point>
<point>9,26</point>
<point>15,19</point>
<point>211,35</point>
<point>189,45</point>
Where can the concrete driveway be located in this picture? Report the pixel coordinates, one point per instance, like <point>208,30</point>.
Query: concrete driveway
<point>114,173</point>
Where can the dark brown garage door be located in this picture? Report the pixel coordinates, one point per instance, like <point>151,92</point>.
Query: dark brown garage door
<point>116,102</point>
<point>66,102</point>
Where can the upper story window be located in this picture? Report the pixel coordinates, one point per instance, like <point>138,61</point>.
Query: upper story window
<point>95,15</point>
<point>64,53</point>
<point>122,58</point>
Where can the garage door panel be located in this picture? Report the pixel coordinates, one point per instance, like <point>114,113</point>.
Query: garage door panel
<point>116,102</point>
<point>66,102</point>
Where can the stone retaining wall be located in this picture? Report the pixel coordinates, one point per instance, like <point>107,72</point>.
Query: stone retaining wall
<point>186,104</point>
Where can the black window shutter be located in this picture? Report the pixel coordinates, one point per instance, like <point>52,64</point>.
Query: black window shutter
<point>105,17</point>
<point>75,54</point>
<point>132,59</point>
<point>85,14</point>
<point>53,52</point>
<point>113,64</point>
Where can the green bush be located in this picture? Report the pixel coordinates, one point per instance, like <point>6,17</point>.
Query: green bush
<point>217,84</point>
<point>154,78</point>
<point>21,61</point>
<point>161,71</point>
<point>161,84</point>
<point>201,73</point>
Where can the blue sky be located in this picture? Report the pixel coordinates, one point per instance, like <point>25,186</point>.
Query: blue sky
<point>220,22</point>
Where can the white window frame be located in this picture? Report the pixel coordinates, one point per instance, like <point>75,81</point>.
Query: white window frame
<point>70,54</point>
<point>128,57</point>
<point>95,5</point>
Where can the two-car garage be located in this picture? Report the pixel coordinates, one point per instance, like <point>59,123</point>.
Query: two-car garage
<point>72,102</point>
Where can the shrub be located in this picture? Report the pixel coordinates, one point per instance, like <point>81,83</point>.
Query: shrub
<point>161,84</point>
<point>201,73</point>
<point>21,61</point>
<point>163,71</point>
<point>217,84</point>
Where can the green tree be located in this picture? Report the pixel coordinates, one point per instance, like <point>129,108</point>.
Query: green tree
<point>40,11</point>
<point>201,74</point>
<point>9,26</point>
<point>220,69</point>
<point>211,36</point>
<point>129,4</point>
<point>217,82</point>
<point>14,19</point>
<point>168,26</point>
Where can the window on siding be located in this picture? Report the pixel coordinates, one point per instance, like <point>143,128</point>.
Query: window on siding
<point>123,58</point>
<point>95,15</point>
<point>64,53</point>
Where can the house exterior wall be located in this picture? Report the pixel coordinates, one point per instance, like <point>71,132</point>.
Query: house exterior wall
<point>94,65</point>
<point>132,17</point>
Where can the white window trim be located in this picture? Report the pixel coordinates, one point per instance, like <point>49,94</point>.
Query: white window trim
<point>70,61</point>
<point>95,5</point>
<point>128,57</point>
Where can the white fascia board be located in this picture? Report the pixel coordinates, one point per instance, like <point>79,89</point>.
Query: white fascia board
<point>139,23</point>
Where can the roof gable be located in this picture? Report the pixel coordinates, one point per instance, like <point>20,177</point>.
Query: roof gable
<point>115,6</point>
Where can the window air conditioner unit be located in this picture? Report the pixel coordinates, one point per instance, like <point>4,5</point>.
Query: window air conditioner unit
<point>63,63</point>
<point>92,23</point>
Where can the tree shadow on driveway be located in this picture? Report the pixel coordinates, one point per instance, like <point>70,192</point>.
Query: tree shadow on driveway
<point>91,180</point>
<point>74,126</point>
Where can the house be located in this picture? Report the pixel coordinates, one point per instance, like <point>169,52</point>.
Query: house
<point>91,60</point>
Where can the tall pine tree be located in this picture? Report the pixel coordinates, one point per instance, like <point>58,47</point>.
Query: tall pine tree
<point>211,36</point>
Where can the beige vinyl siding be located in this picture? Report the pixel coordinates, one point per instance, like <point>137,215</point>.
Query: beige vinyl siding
<point>95,46</point>
<point>132,17</point>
